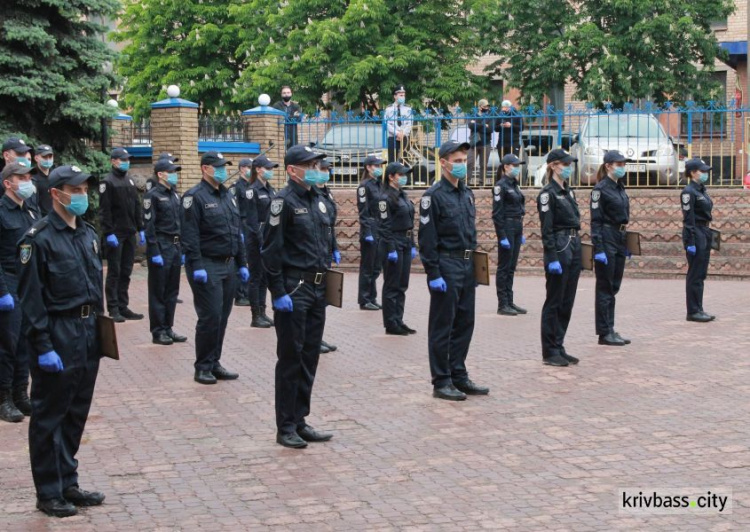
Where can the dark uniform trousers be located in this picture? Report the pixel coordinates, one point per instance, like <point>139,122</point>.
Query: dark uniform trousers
<point>698,269</point>
<point>258,285</point>
<point>244,290</point>
<point>451,322</point>
<point>298,349</point>
<point>14,350</point>
<point>164,285</point>
<point>213,304</point>
<point>60,404</point>
<point>119,268</point>
<point>396,282</point>
<point>371,263</point>
<point>507,260</point>
<point>609,278</point>
<point>561,294</point>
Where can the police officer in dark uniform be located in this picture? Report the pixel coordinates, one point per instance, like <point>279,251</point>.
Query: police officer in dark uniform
<point>296,254</point>
<point>261,193</point>
<point>560,221</point>
<point>214,257</point>
<point>161,219</point>
<point>696,236</point>
<point>508,210</point>
<point>447,240</point>
<point>239,191</point>
<point>397,214</point>
<point>60,288</point>
<point>610,215</point>
<point>17,214</point>
<point>152,181</point>
<point>120,218</point>
<point>370,261</point>
<point>44,157</point>
<point>327,197</point>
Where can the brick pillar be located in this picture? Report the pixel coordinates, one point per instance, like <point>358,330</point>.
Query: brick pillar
<point>174,129</point>
<point>121,130</point>
<point>264,124</point>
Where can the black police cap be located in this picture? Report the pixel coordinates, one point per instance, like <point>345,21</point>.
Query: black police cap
<point>264,162</point>
<point>300,154</point>
<point>166,165</point>
<point>325,164</point>
<point>373,160</point>
<point>511,158</point>
<point>14,169</point>
<point>614,156</point>
<point>399,88</point>
<point>16,144</point>
<point>560,155</point>
<point>397,168</point>
<point>452,146</point>
<point>43,149</point>
<point>215,159</point>
<point>691,165</point>
<point>167,155</point>
<point>246,161</point>
<point>119,153</point>
<point>67,175</point>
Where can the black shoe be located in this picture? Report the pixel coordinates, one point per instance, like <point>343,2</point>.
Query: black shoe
<point>266,317</point>
<point>242,302</point>
<point>518,309</point>
<point>309,434</point>
<point>81,497</point>
<point>507,310</point>
<point>471,388</point>
<point>408,329</point>
<point>330,347</point>
<point>556,360</point>
<point>324,349</point>
<point>258,321</point>
<point>380,307</point>
<point>292,440</point>
<point>369,306</point>
<point>709,315</point>
<point>56,507</point>
<point>570,358</point>
<point>610,339</point>
<point>129,314</point>
<point>701,317</point>
<point>398,331</point>
<point>116,316</point>
<point>21,399</point>
<point>162,339</point>
<point>223,374</point>
<point>179,300</point>
<point>176,337</point>
<point>626,340</point>
<point>449,393</point>
<point>204,377</point>
<point>8,410</point>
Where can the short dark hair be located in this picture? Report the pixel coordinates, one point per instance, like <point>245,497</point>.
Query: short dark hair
<point>286,87</point>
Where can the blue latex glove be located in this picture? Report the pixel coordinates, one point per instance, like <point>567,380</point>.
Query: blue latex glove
<point>414,253</point>
<point>244,274</point>
<point>393,256</point>
<point>142,238</point>
<point>337,256</point>
<point>505,243</point>
<point>200,276</point>
<point>438,285</point>
<point>523,239</point>
<point>601,257</point>
<point>555,267</point>
<point>112,241</point>
<point>369,238</point>
<point>7,303</point>
<point>691,250</point>
<point>182,260</point>
<point>158,260</point>
<point>50,362</point>
<point>283,304</point>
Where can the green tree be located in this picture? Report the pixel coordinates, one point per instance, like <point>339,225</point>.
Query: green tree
<point>52,58</point>
<point>190,43</point>
<point>613,50</point>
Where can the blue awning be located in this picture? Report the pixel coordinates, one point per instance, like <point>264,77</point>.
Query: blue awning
<point>735,47</point>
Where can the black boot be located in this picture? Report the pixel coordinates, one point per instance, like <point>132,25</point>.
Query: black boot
<point>265,316</point>
<point>258,321</point>
<point>8,410</point>
<point>21,399</point>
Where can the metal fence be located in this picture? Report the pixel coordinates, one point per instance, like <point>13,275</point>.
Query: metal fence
<point>141,133</point>
<point>221,128</point>
<point>657,140</point>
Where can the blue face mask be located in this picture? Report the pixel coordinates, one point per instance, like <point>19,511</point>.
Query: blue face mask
<point>514,171</point>
<point>267,174</point>
<point>47,163</point>
<point>566,172</point>
<point>26,189</point>
<point>220,174</point>
<point>323,177</point>
<point>401,99</point>
<point>79,204</point>
<point>124,166</point>
<point>23,161</point>
<point>311,177</point>
<point>704,177</point>
<point>172,179</point>
<point>402,180</point>
<point>377,172</point>
<point>459,170</point>
<point>619,172</point>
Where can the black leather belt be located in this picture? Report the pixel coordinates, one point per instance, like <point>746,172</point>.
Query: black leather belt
<point>175,239</point>
<point>701,223</point>
<point>619,227</point>
<point>466,254</point>
<point>83,312</point>
<point>407,234</point>
<point>572,231</point>
<point>308,277</point>
<point>514,217</point>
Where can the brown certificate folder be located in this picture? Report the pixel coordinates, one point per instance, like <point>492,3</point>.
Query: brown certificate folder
<point>107,337</point>
<point>482,267</point>
<point>335,288</point>
<point>633,242</point>
<point>587,256</point>
<point>715,239</point>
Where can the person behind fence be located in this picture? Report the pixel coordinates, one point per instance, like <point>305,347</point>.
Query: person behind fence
<point>508,210</point>
<point>610,215</point>
<point>370,257</point>
<point>296,254</point>
<point>447,240</point>
<point>397,215</point>
<point>480,138</point>
<point>60,290</point>
<point>120,218</point>
<point>398,117</point>
<point>17,214</point>
<point>508,125</point>
<point>293,115</point>
<point>332,209</point>
<point>44,159</point>
<point>696,236</point>
<point>214,258</point>
<point>240,192</point>
<point>560,220</point>
<point>162,225</point>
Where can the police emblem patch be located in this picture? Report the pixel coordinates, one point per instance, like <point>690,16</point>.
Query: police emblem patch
<point>75,169</point>
<point>232,191</point>
<point>382,205</point>
<point>545,208</point>
<point>595,195</point>
<point>149,185</point>
<point>426,202</point>
<point>544,198</point>
<point>276,206</point>
<point>361,191</point>
<point>594,204</point>
<point>498,189</point>
<point>102,188</point>
<point>147,216</point>
<point>424,219</point>
<point>686,198</point>
<point>322,207</point>
<point>249,194</point>
<point>273,221</point>
<point>187,202</point>
<point>146,203</point>
<point>25,253</point>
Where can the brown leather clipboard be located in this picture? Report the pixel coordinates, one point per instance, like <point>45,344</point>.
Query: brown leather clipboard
<point>715,239</point>
<point>587,256</point>
<point>482,267</point>
<point>107,337</point>
<point>633,242</point>
<point>335,288</point>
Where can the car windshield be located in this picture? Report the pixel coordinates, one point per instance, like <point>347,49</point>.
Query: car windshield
<point>355,136</point>
<point>628,126</point>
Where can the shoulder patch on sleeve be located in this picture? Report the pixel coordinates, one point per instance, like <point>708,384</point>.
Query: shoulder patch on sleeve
<point>686,198</point>
<point>595,195</point>
<point>276,206</point>
<point>544,198</point>
<point>361,191</point>
<point>146,203</point>
<point>249,193</point>
<point>426,202</point>
<point>102,188</point>
<point>382,205</point>
<point>187,202</point>
<point>25,253</point>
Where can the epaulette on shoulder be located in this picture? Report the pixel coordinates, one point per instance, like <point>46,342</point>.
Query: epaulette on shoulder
<point>35,229</point>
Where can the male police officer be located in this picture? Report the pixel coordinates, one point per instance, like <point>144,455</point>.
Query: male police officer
<point>239,191</point>
<point>44,158</point>
<point>214,256</point>
<point>447,240</point>
<point>15,150</point>
<point>398,117</point>
<point>60,288</point>
<point>120,219</point>
<point>161,218</point>
<point>296,254</point>
<point>17,214</point>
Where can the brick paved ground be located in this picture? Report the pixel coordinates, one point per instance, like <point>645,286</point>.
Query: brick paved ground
<point>545,451</point>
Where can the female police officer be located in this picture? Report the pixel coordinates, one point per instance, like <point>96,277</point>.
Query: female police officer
<point>327,198</point>
<point>560,220</point>
<point>696,236</point>
<point>397,215</point>
<point>610,214</point>
<point>368,196</point>
<point>508,209</point>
